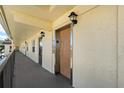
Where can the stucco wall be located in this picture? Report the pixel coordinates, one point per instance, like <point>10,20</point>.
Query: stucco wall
<point>121,46</point>
<point>94,63</point>
<point>33,55</point>
<point>47,52</point>
<point>22,48</point>
<point>7,49</point>
<point>47,62</point>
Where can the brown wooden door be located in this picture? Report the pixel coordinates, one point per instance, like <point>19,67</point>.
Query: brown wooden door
<point>40,51</point>
<point>65,52</point>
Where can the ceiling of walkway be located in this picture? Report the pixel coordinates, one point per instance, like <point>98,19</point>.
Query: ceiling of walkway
<point>27,20</point>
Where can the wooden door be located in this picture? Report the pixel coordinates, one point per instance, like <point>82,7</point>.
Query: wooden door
<point>65,52</point>
<point>40,51</point>
<point>26,48</point>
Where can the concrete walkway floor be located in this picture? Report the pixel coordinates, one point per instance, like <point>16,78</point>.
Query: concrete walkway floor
<point>29,74</point>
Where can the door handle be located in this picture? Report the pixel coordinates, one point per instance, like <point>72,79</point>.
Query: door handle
<point>57,41</point>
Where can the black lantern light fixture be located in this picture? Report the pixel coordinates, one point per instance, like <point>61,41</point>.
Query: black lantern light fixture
<point>42,34</point>
<point>73,17</point>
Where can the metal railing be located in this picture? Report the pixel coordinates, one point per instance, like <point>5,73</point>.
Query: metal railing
<point>7,71</point>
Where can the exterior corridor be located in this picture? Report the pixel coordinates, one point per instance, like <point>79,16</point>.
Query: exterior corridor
<point>28,74</point>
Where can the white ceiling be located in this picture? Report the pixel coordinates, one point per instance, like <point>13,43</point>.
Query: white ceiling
<point>27,20</point>
<point>48,12</point>
<point>24,31</point>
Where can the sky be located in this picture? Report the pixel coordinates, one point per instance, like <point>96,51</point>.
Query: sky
<point>3,34</point>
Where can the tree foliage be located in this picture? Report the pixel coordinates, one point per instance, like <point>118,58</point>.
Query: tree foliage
<point>1,48</point>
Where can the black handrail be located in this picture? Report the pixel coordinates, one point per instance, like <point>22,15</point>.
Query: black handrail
<point>7,71</point>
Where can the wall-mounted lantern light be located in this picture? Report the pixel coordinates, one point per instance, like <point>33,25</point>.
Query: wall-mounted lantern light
<point>42,34</point>
<point>25,42</point>
<point>73,17</point>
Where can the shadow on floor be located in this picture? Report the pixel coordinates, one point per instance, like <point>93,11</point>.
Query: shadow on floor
<point>29,74</point>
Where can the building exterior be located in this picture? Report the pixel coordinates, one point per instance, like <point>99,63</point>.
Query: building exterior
<point>98,41</point>
<point>7,47</point>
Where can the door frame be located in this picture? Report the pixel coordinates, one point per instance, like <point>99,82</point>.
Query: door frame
<point>26,45</point>
<point>57,56</point>
<point>40,39</point>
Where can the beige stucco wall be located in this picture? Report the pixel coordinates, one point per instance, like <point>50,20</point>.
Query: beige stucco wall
<point>7,48</point>
<point>121,46</point>
<point>22,48</point>
<point>95,42</point>
<point>47,62</point>
<point>47,52</point>
<point>33,55</point>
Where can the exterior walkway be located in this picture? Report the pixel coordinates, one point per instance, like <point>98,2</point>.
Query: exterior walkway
<point>29,74</point>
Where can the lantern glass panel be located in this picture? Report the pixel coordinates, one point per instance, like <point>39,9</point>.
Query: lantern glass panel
<point>71,18</point>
